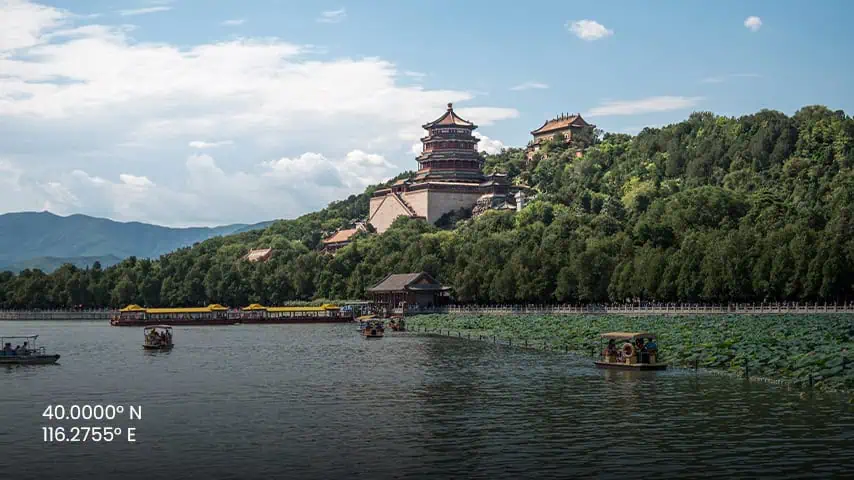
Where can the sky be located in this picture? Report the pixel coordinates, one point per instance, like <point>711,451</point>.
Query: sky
<point>191,112</point>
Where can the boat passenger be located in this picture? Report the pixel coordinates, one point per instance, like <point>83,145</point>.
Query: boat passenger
<point>640,348</point>
<point>611,349</point>
<point>24,349</point>
<point>651,347</point>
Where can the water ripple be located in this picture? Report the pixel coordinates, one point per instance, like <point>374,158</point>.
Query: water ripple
<point>317,401</point>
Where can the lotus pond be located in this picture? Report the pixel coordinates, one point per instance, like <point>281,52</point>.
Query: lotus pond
<point>801,349</point>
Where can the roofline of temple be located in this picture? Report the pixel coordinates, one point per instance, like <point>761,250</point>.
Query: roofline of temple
<point>464,123</point>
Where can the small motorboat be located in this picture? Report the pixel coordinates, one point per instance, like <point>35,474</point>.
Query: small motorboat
<point>26,354</point>
<point>633,355</point>
<point>372,328</point>
<point>158,337</point>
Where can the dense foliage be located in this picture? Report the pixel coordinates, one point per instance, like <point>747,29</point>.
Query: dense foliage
<point>756,208</point>
<point>789,347</point>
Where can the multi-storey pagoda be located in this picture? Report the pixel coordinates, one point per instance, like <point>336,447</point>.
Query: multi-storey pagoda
<point>450,177</point>
<point>449,151</point>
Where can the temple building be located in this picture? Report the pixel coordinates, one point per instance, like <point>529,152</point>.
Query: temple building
<point>450,177</point>
<point>341,238</point>
<point>258,255</point>
<point>407,290</point>
<point>565,124</point>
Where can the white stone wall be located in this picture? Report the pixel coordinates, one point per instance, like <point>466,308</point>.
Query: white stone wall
<point>384,210</point>
<point>426,203</point>
<point>419,201</point>
<point>441,203</point>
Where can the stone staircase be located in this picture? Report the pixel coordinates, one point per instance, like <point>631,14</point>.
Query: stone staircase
<point>405,204</point>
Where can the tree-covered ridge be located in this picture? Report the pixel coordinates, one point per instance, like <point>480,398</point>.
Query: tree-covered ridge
<point>709,209</point>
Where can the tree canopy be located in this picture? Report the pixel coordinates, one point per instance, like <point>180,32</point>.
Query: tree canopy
<point>755,208</point>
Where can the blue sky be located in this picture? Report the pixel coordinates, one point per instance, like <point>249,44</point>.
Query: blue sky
<point>192,112</point>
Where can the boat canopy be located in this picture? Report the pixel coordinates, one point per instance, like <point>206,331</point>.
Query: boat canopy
<point>132,308</point>
<point>209,309</point>
<point>155,327</point>
<point>322,308</point>
<point>627,335</point>
<point>19,336</point>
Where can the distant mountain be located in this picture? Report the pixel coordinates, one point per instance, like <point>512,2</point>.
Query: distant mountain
<point>49,264</point>
<point>29,239</point>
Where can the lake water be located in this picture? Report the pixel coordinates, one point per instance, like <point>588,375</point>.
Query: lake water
<point>318,401</point>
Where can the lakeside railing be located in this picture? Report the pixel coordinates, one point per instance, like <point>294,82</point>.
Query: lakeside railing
<point>641,309</point>
<point>527,309</point>
<point>59,314</point>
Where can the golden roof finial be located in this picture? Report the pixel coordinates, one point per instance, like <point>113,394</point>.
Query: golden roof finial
<point>450,106</point>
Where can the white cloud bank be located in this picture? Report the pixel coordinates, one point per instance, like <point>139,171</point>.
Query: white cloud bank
<point>233,22</point>
<point>724,78</point>
<point>97,123</point>
<point>753,23</point>
<point>529,86</point>
<point>143,11</point>
<point>333,16</point>
<point>589,30</point>
<point>644,105</point>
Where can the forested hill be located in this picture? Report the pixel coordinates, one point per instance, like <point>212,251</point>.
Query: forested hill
<point>754,208</point>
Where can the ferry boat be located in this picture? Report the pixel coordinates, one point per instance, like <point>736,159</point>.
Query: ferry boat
<point>397,325</point>
<point>25,354</point>
<point>634,353</point>
<point>372,328</point>
<point>259,314</point>
<point>158,337</point>
<point>136,316</point>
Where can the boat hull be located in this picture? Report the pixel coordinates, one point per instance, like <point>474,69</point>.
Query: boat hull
<point>633,367</point>
<point>372,337</point>
<point>226,321</point>
<point>275,321</point>
<point>172,321</point>
<point>29,360</point>
<point>158,347</point>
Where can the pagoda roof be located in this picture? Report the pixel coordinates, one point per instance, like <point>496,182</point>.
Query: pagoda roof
<point>561,123</point>
<point>450,119</point>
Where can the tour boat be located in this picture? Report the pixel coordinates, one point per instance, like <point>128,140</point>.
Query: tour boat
<point>136,316</point>
<point>634,354</point>
<point>372,328</point>
<point>26,354</point>
<point>397,325</point>
<point>158,337</point>
<point>326,313</point>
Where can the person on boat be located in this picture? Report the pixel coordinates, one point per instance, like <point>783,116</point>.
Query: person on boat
<point>651,347</point>
<point>7,349</point>
<point>25,349</point>
<point>640,349</point>
<point>611,349</point>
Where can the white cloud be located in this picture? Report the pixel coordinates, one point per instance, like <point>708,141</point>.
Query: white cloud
<point>723,78</point>
<point>22,23</point>
<point>200,144</point>
<point>333,16</point>
<point>410,73</point>
<point>144,11</point>
<point>529,86</point>
<point>233,22</point>
<point>753,23</point>
<point>644,105</point>
<point>133,108</point>
<point>489,145</point>
<point>589,30</point>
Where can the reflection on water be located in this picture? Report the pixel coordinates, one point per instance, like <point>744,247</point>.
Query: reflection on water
<point>318,401</point>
